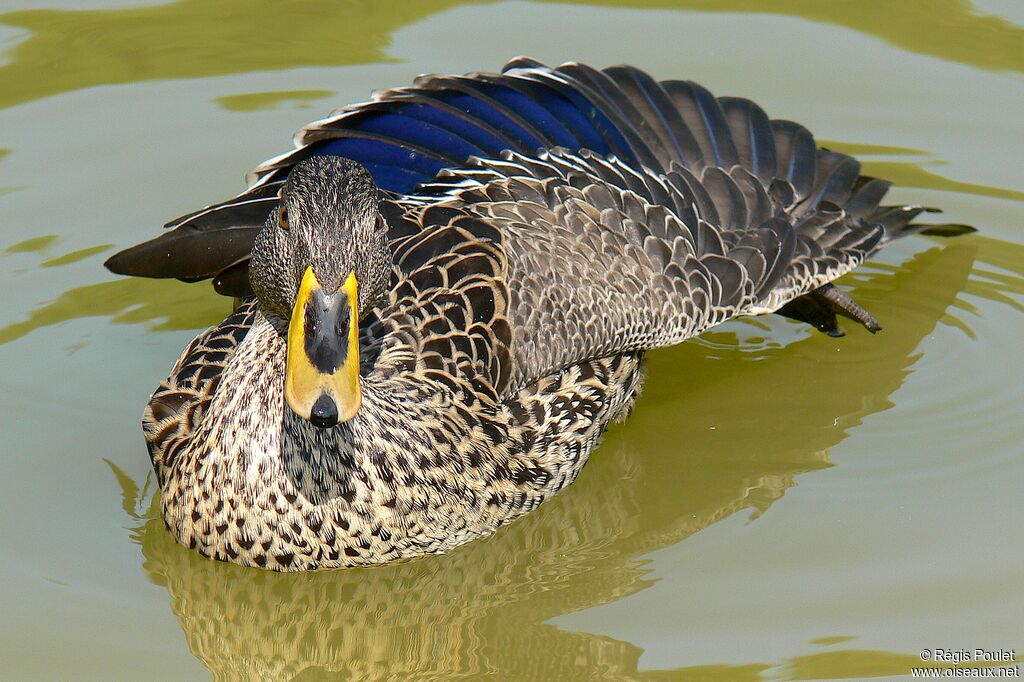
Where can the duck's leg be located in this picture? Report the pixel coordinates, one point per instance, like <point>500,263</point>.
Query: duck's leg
<point>813,311</point>
<point>820,307</point>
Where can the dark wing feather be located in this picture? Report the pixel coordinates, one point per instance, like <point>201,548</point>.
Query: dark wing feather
<point>704,117</point>
<point>607,97</point>
<point>796,157</point>
<point>670,138</point>
<point>190,253</point>
<point>203,243</point>
<point>867,194</point>
<point>752,135</point>
<point>835,176</point>
<point>234,279</point>
<point>445,318</point>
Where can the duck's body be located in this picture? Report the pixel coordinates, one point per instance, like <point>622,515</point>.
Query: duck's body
<point>507,308</point>
<point>414,472</point>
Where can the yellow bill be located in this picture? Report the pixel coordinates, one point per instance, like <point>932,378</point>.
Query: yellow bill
<point>322,372</point>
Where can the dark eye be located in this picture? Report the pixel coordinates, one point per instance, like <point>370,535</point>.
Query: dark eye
<point>282,218</point>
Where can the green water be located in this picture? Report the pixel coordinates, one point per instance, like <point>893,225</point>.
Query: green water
<point>782,505</point>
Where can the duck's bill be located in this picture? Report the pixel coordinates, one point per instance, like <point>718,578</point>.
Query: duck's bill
<point>322,378</point>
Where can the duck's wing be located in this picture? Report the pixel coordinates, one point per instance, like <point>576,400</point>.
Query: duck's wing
<point>444,320</point>
<point>408,137</point>
<point>532,264</point>
<point>595,269</point>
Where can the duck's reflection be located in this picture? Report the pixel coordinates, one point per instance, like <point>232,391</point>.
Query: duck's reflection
<point>663,476</point>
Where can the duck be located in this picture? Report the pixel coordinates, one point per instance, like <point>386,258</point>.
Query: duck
<point>444,297</point>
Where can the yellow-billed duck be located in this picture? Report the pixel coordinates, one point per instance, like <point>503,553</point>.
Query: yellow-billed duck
<point>446,295</point>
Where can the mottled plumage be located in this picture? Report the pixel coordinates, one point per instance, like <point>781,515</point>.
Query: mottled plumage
<point>533,234</point>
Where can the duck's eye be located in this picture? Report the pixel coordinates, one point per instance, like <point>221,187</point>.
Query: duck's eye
<point>282,218</point>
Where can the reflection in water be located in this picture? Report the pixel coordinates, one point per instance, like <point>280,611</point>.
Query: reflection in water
<point>859,149</point>
<point>484,609</point>
<point>855,663</point>
<point>954,30</point>
<point>162,304</point>
<point>992,284</point>
<point>913,175</point>
<point>259,101</point>
<point>39,245</point>
<point>197,38</point>
<point>82,48</point>
<point>75,256</point>
<point>906,174</point>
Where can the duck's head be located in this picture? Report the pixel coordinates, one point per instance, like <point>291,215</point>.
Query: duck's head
<point>320,262</point>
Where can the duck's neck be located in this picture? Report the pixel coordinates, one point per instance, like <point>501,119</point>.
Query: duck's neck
<point>321,464</point>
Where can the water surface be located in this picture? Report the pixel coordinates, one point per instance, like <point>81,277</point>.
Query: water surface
<point>781,505</point>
